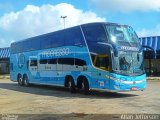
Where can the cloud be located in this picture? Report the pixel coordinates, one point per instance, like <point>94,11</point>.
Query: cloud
<point>127,5</point>
<point>35,20</point>
<point>149,32</point>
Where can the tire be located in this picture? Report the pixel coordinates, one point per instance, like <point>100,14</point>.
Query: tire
<point>20,80</point>
<point>85,86</point>
<point>71,85</point>
<point>25,81</point>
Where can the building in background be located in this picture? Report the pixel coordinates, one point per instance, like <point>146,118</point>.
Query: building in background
<point>4,60</point>
<point>152,65</point>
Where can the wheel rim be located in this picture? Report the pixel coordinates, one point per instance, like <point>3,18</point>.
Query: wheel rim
<point>69,84</point>
<point>82,85</point>
<point>25,81</point>
<point>20,81</point>
<point>85,87</point>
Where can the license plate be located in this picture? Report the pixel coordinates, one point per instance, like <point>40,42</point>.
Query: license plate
<point>134,88</point>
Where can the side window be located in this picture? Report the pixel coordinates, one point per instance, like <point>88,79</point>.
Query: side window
<point>51,40</point>
<point>74,37</point>
<point>60,61</point>
<point>102,62</point>
<point>94,33</point>
<point>35,45</point>
<point>57,39</point>
<point>43,61</point>
<point>66,61</point>
<point>80,62</point>
<point>45,41</point>
<point>33,63</point>
<point>52,61</point>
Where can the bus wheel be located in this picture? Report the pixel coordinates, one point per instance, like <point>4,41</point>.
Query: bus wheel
<point>85,86</point>
<point>20,80</point>
<point>71,85</point>
<point>25,81</point>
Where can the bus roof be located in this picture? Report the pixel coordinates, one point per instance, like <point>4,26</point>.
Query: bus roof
<point>52,39</point>
<point>86,24</point>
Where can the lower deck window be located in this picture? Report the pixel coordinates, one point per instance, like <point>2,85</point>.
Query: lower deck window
<point>33,63</point>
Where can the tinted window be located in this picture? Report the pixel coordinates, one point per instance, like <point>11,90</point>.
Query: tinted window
<point>73,36</point>
<point>27,46</point>
<point>20,47</point>
<point>102,62</point>
<point>43,61</point>
<point>80,62</point>
<point>52,61</point>
<point>57,39</point>
<point>93,57</point>
<point>35,45</point>
<point>45,41</point>
<point>66,61</point>
<point>33,63</point>
<point>70,37</point>
<point>94,33</point>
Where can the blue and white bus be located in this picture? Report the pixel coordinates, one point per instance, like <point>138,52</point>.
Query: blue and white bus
<point>102,56</point>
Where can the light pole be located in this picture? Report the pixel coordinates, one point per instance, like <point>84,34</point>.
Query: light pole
<point>64,20</point>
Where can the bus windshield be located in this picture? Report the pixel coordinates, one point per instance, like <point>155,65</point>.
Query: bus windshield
<point>122,35</point>
<point>129,63</point>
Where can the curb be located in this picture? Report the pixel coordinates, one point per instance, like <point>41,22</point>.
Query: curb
<point>153,78</point>
<point>4,77</point>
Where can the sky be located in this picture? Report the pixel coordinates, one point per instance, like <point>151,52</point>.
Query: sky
<point>21,19</point>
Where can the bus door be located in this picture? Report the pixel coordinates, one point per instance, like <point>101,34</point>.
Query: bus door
<point>102,62</point>
<point>33,67</point>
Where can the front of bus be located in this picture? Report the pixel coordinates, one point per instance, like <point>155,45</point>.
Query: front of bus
<point>127,59</point>
<point>117,57</point>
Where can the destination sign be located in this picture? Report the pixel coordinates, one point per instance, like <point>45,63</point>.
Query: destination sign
<point>129,48</point>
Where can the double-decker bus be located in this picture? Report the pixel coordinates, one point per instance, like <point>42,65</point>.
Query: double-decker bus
<point>103,56</point>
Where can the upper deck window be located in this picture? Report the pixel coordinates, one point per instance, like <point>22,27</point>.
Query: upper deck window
<point>95,33</point>
<point>122,35</point>
<point>74,37</point>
